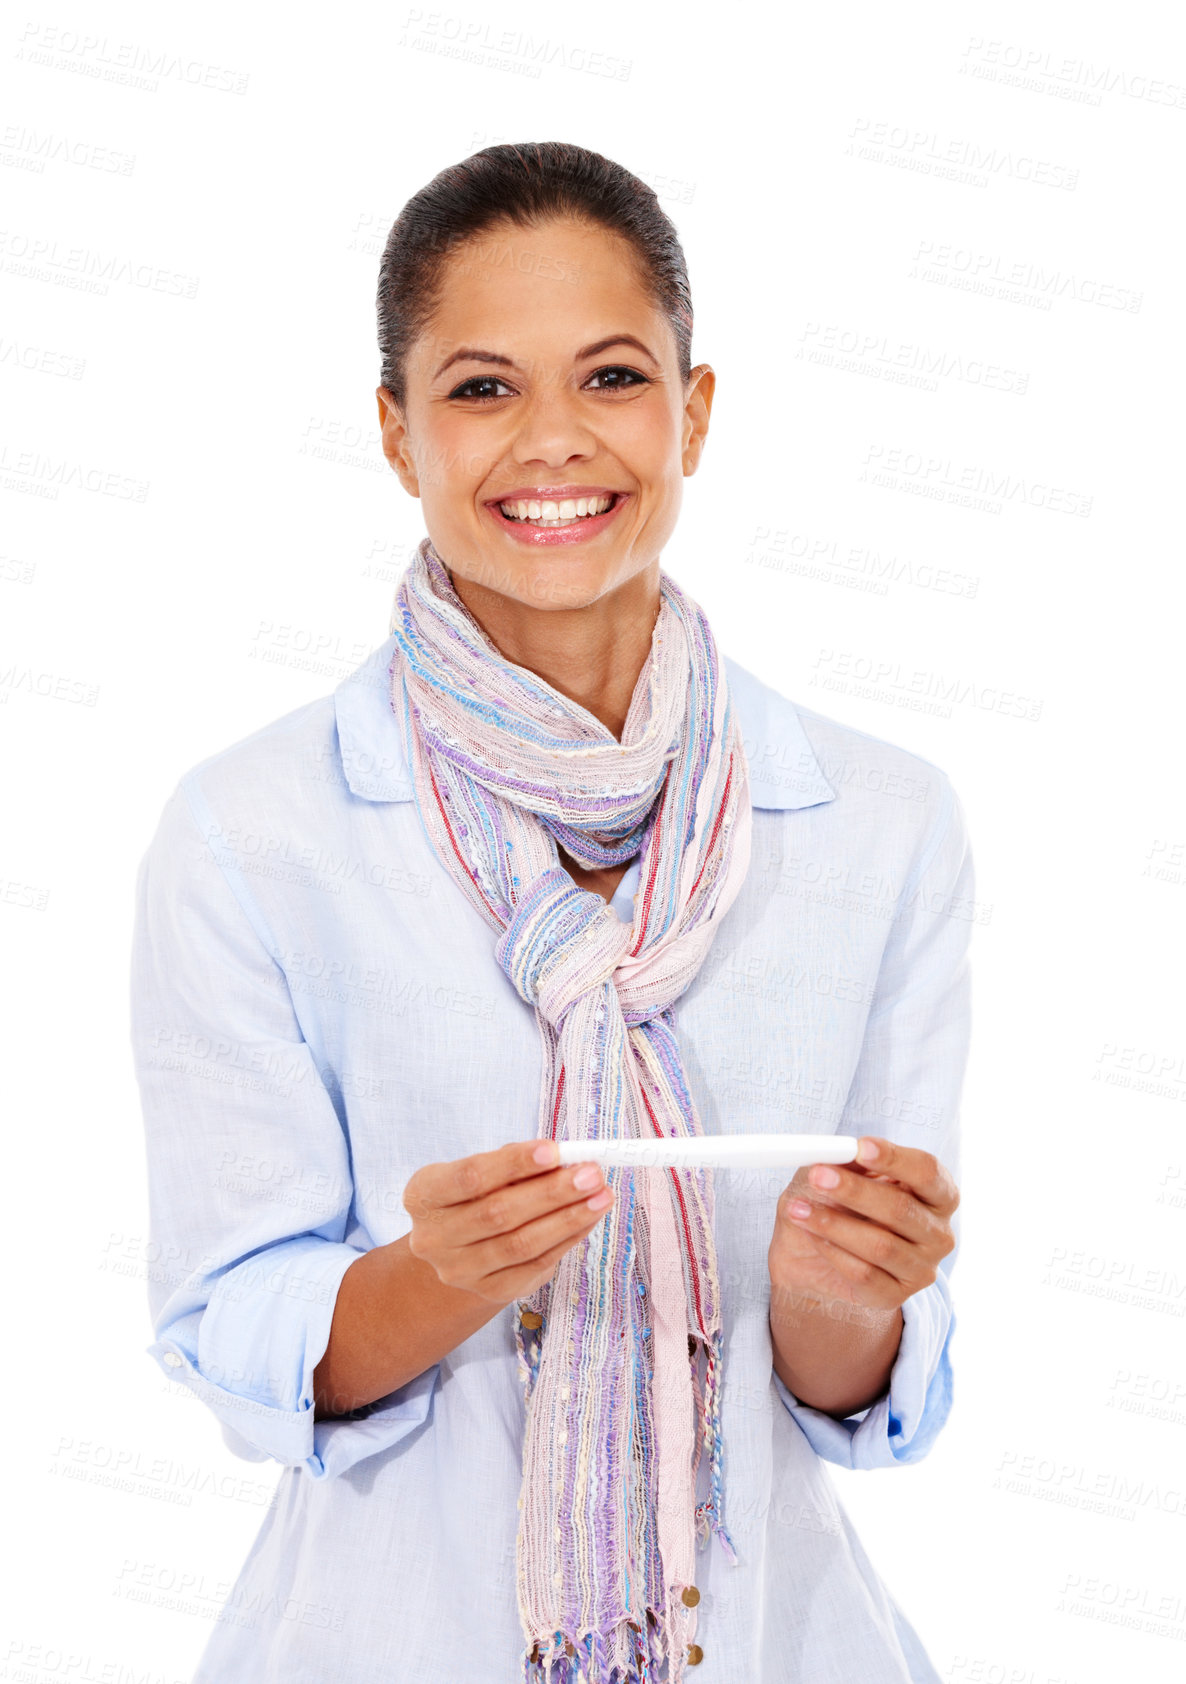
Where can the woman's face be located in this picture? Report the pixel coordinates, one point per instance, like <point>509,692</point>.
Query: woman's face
<point>524,390</point>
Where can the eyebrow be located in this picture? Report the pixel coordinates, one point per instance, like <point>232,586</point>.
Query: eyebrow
<point>468,353</point>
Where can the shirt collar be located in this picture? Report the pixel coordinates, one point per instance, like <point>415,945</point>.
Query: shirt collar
<point>783,769</point>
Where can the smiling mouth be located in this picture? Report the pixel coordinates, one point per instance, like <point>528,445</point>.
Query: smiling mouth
<point>563,511</point>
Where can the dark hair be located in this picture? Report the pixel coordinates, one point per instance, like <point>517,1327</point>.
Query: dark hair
<point>525,184</point>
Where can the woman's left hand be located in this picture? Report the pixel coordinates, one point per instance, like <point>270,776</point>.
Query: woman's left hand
<point>874,1238</point>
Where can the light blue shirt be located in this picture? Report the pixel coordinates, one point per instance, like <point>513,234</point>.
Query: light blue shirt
<point>317,1012</point>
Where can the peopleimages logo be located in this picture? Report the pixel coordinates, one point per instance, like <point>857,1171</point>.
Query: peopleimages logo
<point>914,687</point>
<point>82,269</point>
<point>477,41</point>
<point>129,63</point>
<point>902,361</point>
<point>965,161</point>
<point>852,566</point>
<point>1063,75</point>
<point>1015,280</point>
<point>896,468</point>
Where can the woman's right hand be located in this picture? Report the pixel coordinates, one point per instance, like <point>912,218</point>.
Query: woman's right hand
<point>497,1223</point>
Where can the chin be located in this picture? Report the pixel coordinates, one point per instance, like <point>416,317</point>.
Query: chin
<point>546,580</point>
<point>563,585</point>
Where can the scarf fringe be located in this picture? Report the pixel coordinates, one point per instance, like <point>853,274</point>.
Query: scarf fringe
<point>625,1658</point>
<point>584,1661</point>
<point>708,1513</point>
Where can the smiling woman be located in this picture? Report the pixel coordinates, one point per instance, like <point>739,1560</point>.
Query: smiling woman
<point>517,1400</point>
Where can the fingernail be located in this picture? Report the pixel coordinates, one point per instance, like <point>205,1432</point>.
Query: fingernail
<point>587,1176</point>
<point>799,1208</point>
<point>545,1152</point>
<point>600,1201</point>
<point>868,1150</point>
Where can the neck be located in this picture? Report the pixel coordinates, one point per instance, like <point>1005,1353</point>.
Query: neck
<point>592,655</point>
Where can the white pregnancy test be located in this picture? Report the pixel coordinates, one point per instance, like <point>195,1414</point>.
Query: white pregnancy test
<point>713,1151</point>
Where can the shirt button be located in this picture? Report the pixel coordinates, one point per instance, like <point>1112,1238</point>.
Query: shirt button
<point>531,1318</point>
<point>695,1655</point>
<point>690,1596</point>
<point>172,1359</point>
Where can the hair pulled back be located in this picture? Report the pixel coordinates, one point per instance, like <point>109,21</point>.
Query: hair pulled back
<point>524,184</point>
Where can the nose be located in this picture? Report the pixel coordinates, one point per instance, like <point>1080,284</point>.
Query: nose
<point>553,427</point>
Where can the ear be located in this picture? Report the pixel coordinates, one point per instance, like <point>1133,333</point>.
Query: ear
<point>698,395</point>
<point>393,428</point>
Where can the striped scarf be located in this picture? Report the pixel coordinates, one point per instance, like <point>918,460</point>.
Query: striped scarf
<point>610,1348</point>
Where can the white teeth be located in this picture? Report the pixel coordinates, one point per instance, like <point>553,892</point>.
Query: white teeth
<point>548,513</point>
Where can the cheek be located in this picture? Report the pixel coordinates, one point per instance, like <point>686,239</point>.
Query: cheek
<point>645,437</point>
<point>455,454</point>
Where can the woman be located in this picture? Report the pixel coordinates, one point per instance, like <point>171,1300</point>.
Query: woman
<point>548,866</point>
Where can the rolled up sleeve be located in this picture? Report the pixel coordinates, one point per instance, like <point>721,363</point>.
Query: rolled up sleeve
<point>249,1184</point>
<point>907,1089</point>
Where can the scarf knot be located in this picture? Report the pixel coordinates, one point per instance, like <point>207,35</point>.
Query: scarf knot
<point>562,944</point>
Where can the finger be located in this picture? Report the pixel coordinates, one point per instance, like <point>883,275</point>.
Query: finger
<point>529,1243</point>
<point>865,1249</point>
<point>513,1283</point>
<point>872,1288</point>
<point>889,1203</point>
<point>512,1205</point>
<point>926,1177</point>
<point>463,1179</point>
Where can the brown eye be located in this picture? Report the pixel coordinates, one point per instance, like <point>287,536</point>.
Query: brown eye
<point>465,390</point>
<point>619,385</point>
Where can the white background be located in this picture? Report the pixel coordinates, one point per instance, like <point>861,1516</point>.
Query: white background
<point>991,192</point>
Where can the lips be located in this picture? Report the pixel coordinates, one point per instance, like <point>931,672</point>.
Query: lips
<point>550,528</point>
